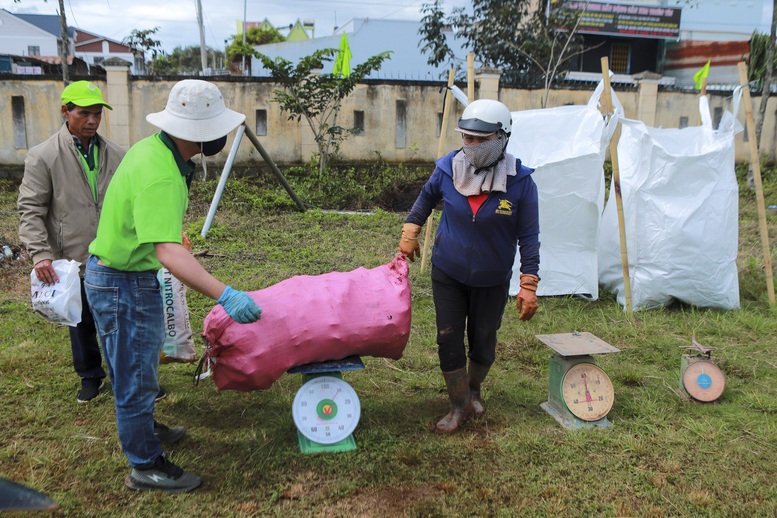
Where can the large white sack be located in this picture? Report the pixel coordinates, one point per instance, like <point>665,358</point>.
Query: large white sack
<point>680,208</point>
<point>566,147</point>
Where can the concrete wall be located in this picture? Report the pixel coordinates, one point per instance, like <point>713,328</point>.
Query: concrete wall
<point>400,118</point>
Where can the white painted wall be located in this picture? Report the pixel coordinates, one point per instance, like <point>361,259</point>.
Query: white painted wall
<point>16,36</point>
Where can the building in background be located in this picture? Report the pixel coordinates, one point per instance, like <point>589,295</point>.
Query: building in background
<point>367,38</point>
<point>31,39</point>
<point>95,50</point>
<point>670,39</point>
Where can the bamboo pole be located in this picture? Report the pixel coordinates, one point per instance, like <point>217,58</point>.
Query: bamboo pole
<point>471,76</point>
<point>616,185</point>
<point>755,164</point>
<point>440,149</point>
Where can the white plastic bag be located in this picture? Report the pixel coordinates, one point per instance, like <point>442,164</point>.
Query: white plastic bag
<point>179,343</point>
<point>680,208</point>
<point>566,147</point>
<point>60,303</point>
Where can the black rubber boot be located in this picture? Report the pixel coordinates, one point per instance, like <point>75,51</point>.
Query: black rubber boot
<point>461,404</point>
<point>477,373</point>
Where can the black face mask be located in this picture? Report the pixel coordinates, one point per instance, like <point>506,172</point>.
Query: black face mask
<point>214,146</point>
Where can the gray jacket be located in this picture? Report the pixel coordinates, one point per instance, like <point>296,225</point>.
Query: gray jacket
<point>58,212</point>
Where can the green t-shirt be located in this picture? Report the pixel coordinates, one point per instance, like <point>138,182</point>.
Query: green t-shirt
<point>145,204</point>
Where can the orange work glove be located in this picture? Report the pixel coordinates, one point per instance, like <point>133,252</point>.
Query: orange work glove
<point>408,245</point>
<point>527,296</point>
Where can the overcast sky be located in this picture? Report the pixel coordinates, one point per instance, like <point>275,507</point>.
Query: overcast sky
<point>177,19</point>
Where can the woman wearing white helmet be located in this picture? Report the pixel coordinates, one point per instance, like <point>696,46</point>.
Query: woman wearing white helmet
<point>490,210</point>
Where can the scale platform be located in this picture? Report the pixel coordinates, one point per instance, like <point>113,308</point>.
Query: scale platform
<point>326,409</point>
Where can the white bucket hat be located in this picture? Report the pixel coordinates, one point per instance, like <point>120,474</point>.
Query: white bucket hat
<point>196,112</point>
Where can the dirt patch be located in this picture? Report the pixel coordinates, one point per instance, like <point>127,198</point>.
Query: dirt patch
<point>390,502</point>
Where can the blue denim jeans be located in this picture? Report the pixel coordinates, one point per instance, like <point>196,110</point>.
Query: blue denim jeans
<point>128,312</point>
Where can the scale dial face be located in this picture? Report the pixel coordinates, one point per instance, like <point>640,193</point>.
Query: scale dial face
<point>704,381</point>
<point>587,392</point>
<point>326,410</point>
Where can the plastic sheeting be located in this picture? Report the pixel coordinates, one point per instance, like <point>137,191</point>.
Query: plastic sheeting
<point>566,147</point>
<point>308,319</point>
<point>680,208</point>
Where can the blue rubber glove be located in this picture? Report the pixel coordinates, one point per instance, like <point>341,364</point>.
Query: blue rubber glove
<point>240,306</point>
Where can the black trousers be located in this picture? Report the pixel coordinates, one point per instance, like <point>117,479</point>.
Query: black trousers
<point>466,309</point>
<point>87,360</point>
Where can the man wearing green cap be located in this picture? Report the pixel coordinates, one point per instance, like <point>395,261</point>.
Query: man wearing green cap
<point>60,199</point>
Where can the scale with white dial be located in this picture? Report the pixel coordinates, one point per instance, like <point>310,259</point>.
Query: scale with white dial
<point>326,409</point>
<point>580,394</point>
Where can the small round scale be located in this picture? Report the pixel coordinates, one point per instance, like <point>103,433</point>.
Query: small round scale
<point>580,394</point>
<point>700,378</point>
<point>326,409</point>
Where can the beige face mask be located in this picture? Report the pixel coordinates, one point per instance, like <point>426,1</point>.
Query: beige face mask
<point>486,153</point>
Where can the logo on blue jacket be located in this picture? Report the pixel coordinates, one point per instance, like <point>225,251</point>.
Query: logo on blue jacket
<point>505,207</point>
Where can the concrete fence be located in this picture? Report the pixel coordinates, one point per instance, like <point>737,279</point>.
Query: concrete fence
<point>399,120</point>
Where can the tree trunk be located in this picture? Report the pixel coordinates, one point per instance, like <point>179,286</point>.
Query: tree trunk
<point>64,51</point>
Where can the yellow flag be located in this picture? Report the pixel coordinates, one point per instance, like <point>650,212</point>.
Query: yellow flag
<point>342,64</point>
<point>698,77</point>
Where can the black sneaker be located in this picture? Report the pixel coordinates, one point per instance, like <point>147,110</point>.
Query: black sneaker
<point>161,394</point>
<point>90,389</point>
<point>167,434</point>
<point>162,476</point>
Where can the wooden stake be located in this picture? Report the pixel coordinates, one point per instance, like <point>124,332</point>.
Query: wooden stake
<point>616,185</point>
<point>440,150</point>
<point>471,76</point>
<point>755,164</point>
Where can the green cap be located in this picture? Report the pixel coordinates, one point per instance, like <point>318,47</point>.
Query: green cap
<point>83,93</point>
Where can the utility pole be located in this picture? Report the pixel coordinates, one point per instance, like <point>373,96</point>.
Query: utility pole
<point>65,50</point>
<point>203,49</point>
<point>244,35</point>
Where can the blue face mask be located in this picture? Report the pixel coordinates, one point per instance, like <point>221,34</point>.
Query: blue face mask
<point>214,146</point>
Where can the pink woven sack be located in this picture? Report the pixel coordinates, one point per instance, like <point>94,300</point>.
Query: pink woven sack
<point>308,319</point>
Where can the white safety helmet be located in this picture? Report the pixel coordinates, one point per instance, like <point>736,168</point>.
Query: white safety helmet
<point>485,116</point>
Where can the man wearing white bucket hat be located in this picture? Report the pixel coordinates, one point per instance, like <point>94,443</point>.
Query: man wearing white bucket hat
<point>140,231</point>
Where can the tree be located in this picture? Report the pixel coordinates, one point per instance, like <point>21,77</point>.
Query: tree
<point>184,61</point>
<point>550,39</point>
<point>527,42</point>
<point>65,48</point>
<point>254,36</point>
<point>317,97</point>
<point>762,68</point>
<point>142,39</point>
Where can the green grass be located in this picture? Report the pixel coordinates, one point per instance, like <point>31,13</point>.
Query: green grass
<point>664,456</point>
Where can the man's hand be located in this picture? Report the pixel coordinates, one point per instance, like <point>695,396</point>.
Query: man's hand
<point>45,272</point>
<point>527,296</point>
<point>240,306</point>
<point>408,244</point>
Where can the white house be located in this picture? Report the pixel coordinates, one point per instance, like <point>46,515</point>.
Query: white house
<point>21,37</point>
<point>38,36</point>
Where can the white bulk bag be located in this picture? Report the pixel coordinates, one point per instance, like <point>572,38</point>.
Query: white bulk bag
<point>680,211</point>
<point>566,147</point>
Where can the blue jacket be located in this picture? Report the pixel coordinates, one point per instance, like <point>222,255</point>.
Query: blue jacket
<point>480,250</point>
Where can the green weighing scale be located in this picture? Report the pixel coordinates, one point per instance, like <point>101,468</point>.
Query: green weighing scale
<point>580,394</point>
<point>326,409</point>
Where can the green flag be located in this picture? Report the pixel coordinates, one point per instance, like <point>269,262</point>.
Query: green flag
<point>343,59</point>
<point>698,77</point>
